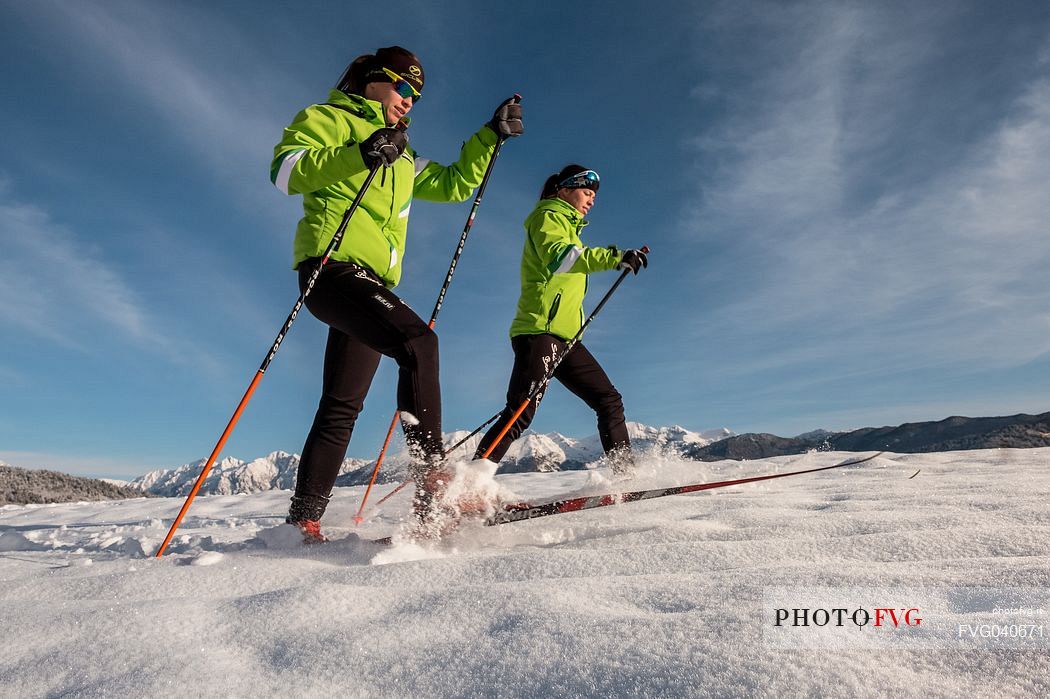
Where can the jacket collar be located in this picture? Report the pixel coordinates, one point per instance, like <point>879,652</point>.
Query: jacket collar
<point>365,108</point>
<point>564,208</point>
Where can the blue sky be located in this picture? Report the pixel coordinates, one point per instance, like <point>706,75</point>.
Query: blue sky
<point>846,204</point>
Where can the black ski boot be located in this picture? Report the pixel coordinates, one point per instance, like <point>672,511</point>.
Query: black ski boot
<point>434,517</point>
<point>621,463</point>
<point>305,513</point>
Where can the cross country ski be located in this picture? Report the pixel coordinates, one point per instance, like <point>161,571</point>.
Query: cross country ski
<point>520,511</point>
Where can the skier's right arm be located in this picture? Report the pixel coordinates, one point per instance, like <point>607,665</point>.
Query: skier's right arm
<point>317,150</point>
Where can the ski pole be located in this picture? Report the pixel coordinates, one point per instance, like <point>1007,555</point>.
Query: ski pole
<point>437,308</point>
<point>546,379</point>
<point>332,247</point>
<point>557,362</point>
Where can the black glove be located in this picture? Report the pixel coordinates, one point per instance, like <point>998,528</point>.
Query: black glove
<point>506,122</point>
<point>633,260</point>
<point>384,146</point>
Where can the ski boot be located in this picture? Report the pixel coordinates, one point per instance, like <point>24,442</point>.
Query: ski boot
<point>311,529</point>
<point>621,463</point>
<point>434,517</point>
<point>305,513</point>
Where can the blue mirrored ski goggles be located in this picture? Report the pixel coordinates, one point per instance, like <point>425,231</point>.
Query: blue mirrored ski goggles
<point>402,86</point>
<point>588,179</point>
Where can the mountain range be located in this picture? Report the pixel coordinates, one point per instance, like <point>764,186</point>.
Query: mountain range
<point>532,452</point>
<point>554,451</point>
<point>951,434</point>
<point>541,452</point>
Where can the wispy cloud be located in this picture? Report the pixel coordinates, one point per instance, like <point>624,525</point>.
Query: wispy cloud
<point>829,240</point>
<point>45,285</point>
<point>62,289</point>
<point>165,57</point>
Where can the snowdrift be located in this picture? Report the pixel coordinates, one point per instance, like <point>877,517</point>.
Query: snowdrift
<point>663,597</point>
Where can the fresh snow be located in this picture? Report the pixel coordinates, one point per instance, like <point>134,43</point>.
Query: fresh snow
<point>657,598</point>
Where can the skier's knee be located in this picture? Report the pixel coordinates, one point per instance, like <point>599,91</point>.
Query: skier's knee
<point>338,412</point>
<point>423,347</point>
<point>521,424</point>
<point>610,406</point>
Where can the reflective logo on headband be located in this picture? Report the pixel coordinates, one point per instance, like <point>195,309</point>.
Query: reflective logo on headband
<point>588,179</point>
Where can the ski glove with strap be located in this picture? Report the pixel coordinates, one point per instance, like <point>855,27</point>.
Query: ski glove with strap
<point>506,122</point>
<point>384,146</point>
<point>633,260</point>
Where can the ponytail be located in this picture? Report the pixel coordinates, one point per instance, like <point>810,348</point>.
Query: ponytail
<point>352,81</point>
<point>550,187</point>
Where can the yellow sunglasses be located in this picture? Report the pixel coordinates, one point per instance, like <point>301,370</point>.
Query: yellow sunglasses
<point>402,86</point>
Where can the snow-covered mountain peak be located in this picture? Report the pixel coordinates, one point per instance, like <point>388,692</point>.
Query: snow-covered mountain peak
<point>674,434</point>
<point>534,451</point>
<point>230,475</point>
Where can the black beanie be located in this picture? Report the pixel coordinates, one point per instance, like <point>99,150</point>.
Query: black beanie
<point>369,68</point>
<point>550,187</point>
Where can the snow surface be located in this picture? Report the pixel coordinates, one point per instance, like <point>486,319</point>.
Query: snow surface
<point>660,597</point>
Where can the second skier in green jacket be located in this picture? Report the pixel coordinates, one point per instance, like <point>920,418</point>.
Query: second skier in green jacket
<point>554,268</point>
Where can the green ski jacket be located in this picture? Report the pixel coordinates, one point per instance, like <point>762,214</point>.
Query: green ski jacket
<point>554,269</point>
<point>319,158</point>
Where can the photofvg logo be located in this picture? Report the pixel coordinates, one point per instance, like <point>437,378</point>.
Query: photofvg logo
<point>840,616</point>
<point>828,617</point>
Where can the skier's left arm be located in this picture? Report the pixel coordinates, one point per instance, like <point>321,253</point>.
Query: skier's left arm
<point>455,182</point>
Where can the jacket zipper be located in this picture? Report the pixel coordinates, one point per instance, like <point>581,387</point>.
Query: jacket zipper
<point>586,281</point>
<point>554,310</point>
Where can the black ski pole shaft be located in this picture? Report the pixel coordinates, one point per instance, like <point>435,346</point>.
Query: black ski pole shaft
<point>479,428</point>
<point>466,228</point>
<point>337,239</point>
<point>558,360</point>
<point>333,245</point>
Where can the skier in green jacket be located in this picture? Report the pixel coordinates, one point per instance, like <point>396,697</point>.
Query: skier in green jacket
<point>554,268</point>
<point>325,155</point>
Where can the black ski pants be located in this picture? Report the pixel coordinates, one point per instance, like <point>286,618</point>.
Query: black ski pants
<point>366,320</point>
<point>579,372</point>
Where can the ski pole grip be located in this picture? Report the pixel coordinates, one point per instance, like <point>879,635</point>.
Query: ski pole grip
<point>517,98</point>
<point>645,249</point>
<point>402,124</point>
